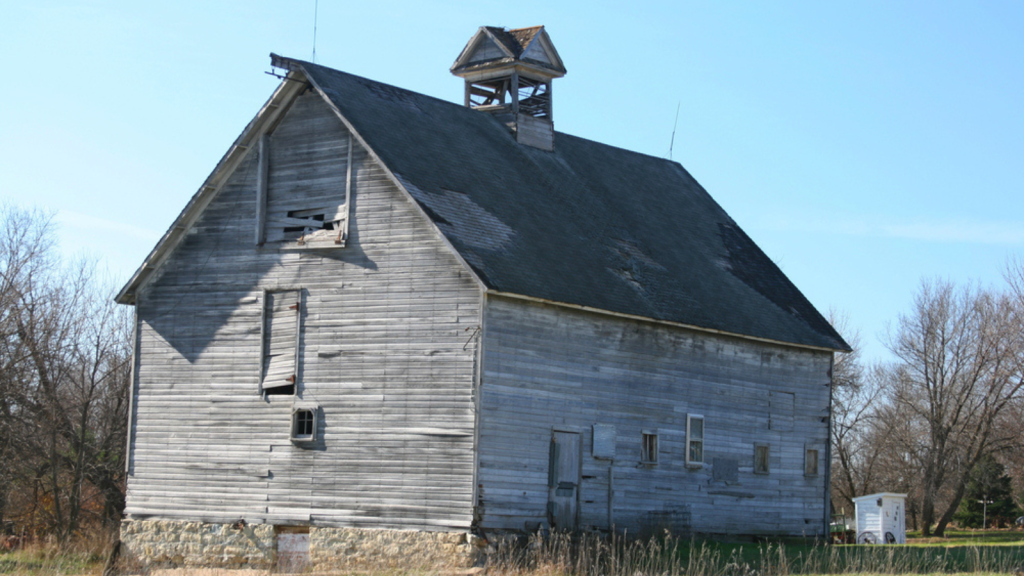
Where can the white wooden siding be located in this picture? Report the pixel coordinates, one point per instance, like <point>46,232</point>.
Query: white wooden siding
<point>385,351</point>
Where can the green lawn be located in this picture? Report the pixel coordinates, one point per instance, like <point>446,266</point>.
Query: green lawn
<point>970,538</point>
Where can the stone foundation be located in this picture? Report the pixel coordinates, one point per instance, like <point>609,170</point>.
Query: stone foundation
<point>176,543</point>
<point>198,544</point>
<point>356,548</point>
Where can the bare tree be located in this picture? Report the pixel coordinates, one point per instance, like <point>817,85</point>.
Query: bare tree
<point>852,406</point>
<point>64,357</point>
<point>958,371</point>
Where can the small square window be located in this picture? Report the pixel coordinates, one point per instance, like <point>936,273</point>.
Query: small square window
<point>761,454</point>
<point>811,462</point>
<point>303,425</point>
<point>649,448</point>
<point>694,439</point>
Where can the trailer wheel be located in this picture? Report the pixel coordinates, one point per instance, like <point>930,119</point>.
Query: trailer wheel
<point>867,538</point>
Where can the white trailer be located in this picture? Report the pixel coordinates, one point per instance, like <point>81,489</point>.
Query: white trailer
<point>881,518</point>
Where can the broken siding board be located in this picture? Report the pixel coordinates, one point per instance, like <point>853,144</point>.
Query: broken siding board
<point>200,343</point>
<point>310,158</point>
<point>546,366</point>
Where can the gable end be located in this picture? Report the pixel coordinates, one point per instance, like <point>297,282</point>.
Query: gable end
<point>250,141</point>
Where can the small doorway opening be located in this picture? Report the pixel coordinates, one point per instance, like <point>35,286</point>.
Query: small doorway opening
<point>563,479</point>
<point>292,548</point>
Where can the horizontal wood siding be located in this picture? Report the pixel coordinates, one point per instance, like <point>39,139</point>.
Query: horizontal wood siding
<point>535,132</point>
<point>385,352</point>
<point>547,366</point>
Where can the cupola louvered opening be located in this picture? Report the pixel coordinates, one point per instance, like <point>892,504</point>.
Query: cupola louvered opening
<point>508,73</point>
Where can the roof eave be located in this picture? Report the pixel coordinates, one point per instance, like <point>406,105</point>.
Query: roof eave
<point>693,327</point>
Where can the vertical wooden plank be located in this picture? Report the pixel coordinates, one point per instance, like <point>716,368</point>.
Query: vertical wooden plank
<point>298,339</point>
<point>611,496</point>
<point>262,180</point>
<point>827,486</point>
<point>263,341</point>
<point>551,103</point>
<point>515,92</point>
<point>133,379</point>
<point>348,191</point>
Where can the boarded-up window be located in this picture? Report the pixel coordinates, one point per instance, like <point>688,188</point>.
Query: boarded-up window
<point>604,441</point>
<point>780,411</point>
<point>811,461</point>
<point>761,455</point>
<point>725,470</point>
<point>694,439</point>
<point>281,315</point>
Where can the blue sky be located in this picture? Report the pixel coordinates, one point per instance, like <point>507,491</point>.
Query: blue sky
<point>863,145</point>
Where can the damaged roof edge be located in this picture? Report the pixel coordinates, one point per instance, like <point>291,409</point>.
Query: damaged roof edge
<point>287,89</point>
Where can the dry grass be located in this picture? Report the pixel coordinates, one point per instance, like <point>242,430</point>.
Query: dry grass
<point>46,558</point>
<point>591,555</point>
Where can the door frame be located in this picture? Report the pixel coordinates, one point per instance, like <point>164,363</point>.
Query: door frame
<point>566,429</point>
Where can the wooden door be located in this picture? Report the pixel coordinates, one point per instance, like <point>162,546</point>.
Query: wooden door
<point>563,479</point>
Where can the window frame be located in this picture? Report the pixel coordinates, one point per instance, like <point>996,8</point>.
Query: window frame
<point>314,412</point>
<point>265,221</point>
<point>649,443</point>
<point>758,446</point>
<point>690,440</point>
<point>817,461</point>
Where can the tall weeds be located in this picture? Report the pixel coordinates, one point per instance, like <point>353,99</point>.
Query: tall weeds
<point>593,555</point>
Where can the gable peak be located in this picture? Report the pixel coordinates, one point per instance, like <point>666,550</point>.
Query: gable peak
<point>494,48</point>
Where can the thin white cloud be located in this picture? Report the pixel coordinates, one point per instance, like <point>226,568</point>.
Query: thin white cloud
<point>83,223</point>
<point>954,231</point>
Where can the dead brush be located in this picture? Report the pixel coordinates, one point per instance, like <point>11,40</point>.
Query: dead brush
<point>587,554</point>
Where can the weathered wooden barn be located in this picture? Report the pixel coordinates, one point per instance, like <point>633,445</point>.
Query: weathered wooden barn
<point>387,311</point>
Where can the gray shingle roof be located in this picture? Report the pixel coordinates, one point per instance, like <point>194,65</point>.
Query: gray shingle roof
<point>588,224</point>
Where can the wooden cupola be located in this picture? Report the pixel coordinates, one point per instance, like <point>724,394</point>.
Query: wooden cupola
<point>508,73</point>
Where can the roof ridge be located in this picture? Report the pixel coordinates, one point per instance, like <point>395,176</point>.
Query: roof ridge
<point>462,107</point>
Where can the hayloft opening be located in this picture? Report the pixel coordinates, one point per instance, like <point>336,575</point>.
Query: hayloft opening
<point>316,222</point>
<point>282,316</point>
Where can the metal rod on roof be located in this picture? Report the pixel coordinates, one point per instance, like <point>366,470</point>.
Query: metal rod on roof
<point>316,6</point>
<point>674,124</point>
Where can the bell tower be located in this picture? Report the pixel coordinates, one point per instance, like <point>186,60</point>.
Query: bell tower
<point>508,73</point>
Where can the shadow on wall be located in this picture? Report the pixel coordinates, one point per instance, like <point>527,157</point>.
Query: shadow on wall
<point>209,289</point>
